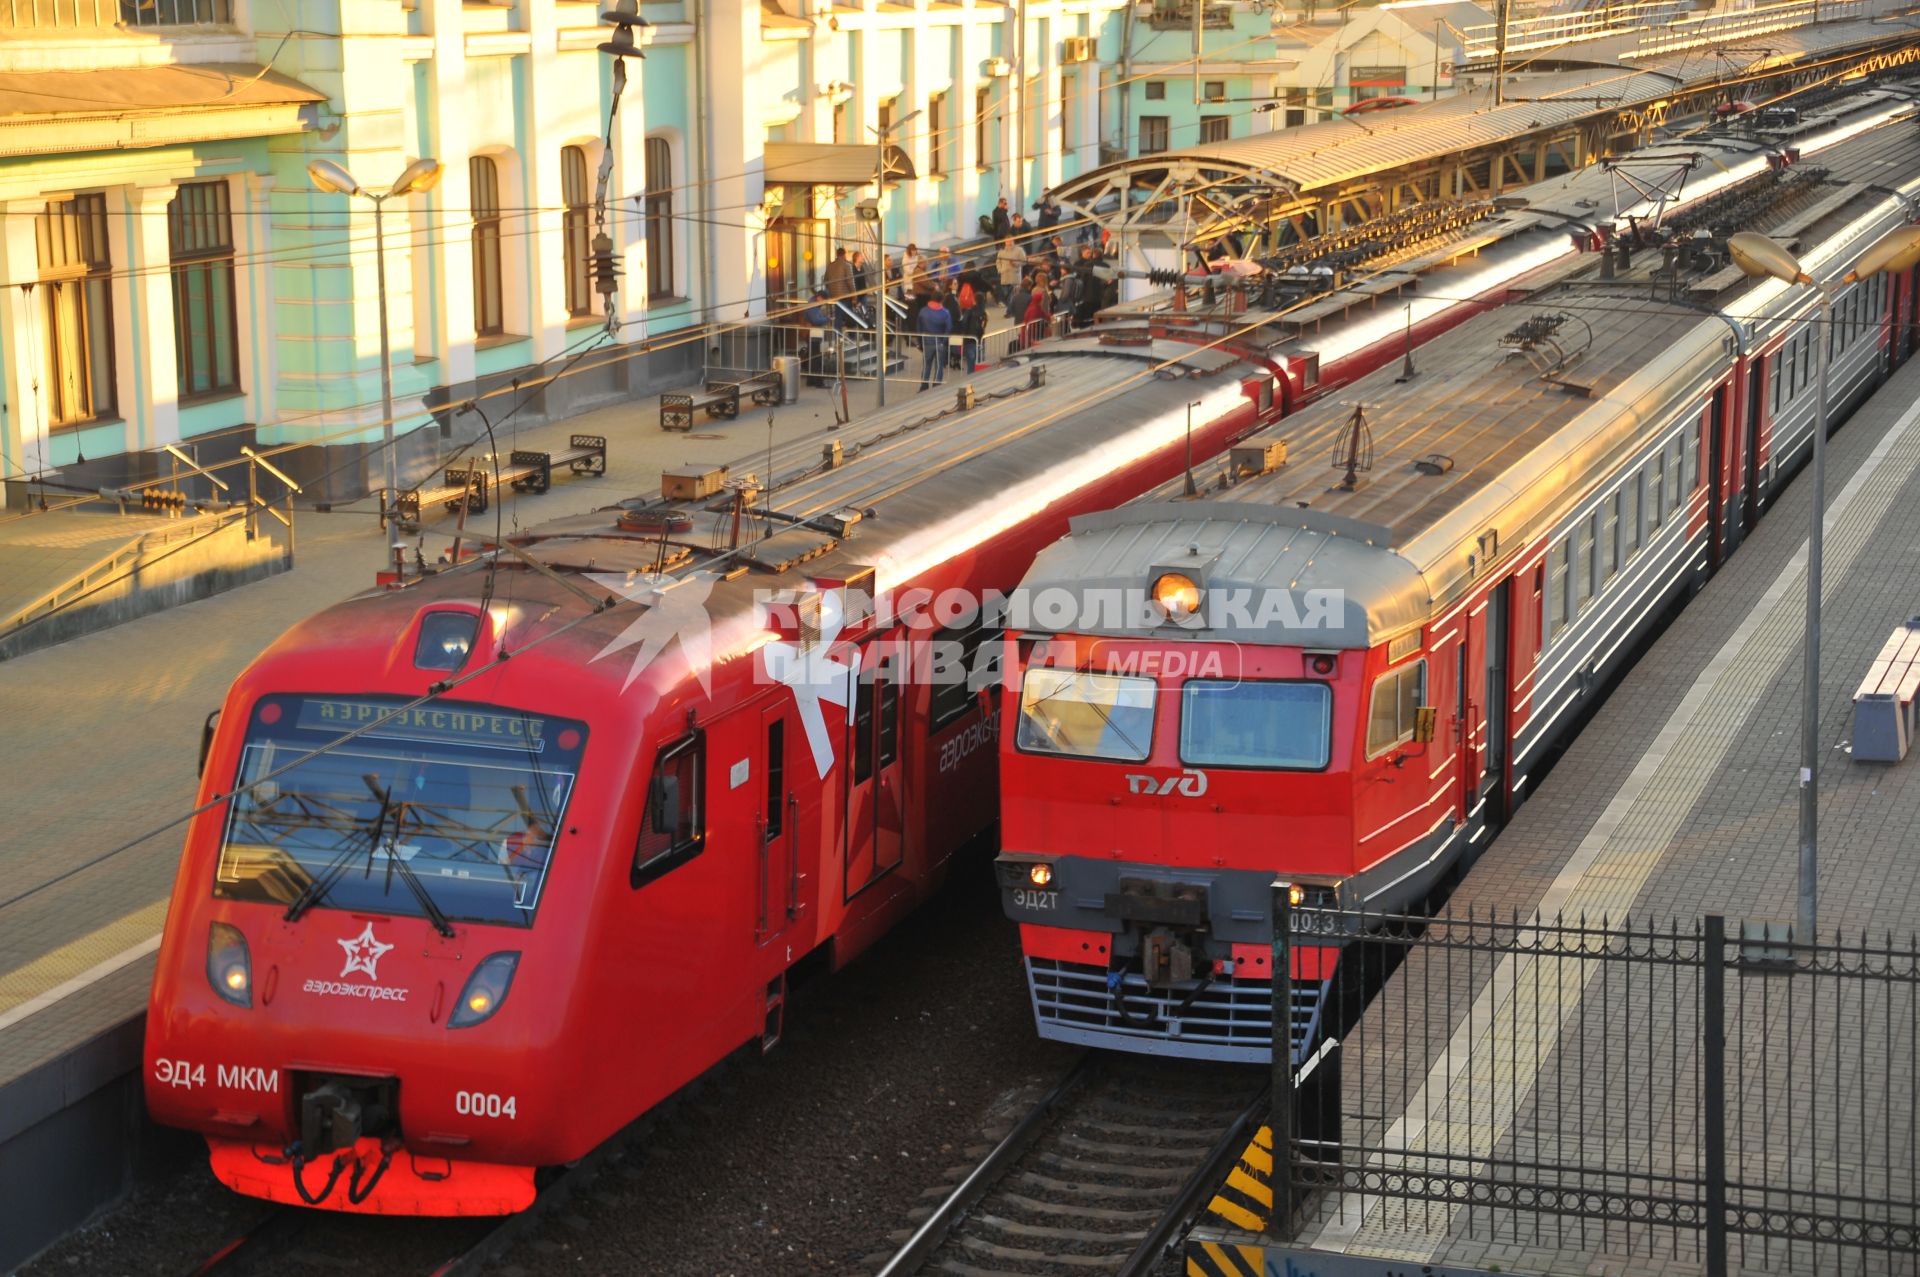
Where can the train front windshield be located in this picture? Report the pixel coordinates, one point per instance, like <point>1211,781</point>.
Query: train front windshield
<point>446,811</point>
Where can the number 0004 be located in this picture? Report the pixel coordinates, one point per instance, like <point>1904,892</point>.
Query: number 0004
<point>481,1104</point>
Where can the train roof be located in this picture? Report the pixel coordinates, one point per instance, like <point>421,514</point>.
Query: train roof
<point>1504,418</point>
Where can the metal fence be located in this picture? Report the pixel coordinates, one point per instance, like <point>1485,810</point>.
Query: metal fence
<point>77,14</point>
<point>849,351</point>
<point>1612,1088</point>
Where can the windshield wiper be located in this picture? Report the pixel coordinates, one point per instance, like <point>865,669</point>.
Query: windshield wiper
<point>317,888</point>
<point>428,905</point>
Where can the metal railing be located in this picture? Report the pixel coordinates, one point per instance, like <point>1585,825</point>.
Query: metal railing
<point>1617,1088</point>
<point>1720,26</point>
<point>1480,41</point>
<point>89,14</point>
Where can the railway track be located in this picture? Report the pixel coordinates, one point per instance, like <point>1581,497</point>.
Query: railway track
<point>1098,1177</point>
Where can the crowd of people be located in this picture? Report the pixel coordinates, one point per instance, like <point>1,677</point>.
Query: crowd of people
<point>1030,272</point>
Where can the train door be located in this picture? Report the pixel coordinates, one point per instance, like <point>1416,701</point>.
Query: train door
<point>776,825</point>
<point>875,801</point>
<point>1493,626</point>
<point>1722,454</point>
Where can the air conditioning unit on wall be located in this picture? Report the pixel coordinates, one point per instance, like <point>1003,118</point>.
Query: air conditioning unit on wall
<point>1076,48</point>
<point>999,67</point>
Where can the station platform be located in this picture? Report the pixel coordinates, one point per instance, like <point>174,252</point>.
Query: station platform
<point>1679,800</point>
<point>103,732</point>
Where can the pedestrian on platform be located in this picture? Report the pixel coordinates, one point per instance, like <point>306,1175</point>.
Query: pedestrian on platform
<point>839,275</point>
<point>1018,298</point>
<point>912,268</point>
<point>1049,213</point>
<point>935,326</point>
<point>1009,264</point>
<point>1000,221</point>
<point>1039,312</point>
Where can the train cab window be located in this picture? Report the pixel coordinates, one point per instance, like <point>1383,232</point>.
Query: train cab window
<point>1630,515</point>
<point>1556,619</point>
<point>1693,457</point>
<point>1083,714</point>
<point>1230,723</point>
<point>1397,697</point>
<point>673,821</point>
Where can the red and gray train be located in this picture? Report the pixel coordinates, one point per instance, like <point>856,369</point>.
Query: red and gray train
<point>1343,664</point>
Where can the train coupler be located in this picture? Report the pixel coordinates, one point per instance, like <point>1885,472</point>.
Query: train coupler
<point>373,1176</point>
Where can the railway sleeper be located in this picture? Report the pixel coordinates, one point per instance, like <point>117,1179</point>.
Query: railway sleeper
<point>1041,1260</point>
<point>1055,1233</point>
<point>1198,1140</point>
<point>1146,1177</point>
<point>1073,1190</point>
<point>1114,1214</point>
<point>1184,1152</point>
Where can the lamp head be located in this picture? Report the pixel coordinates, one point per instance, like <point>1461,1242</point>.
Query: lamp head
<point>1759,257</point>
<point>331,178</point>
<point>418,177</point>
<point>1897,250</point>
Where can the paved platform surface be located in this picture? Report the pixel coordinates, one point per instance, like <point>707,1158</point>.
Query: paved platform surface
<point>1680,800</point>
<point>103,731</point>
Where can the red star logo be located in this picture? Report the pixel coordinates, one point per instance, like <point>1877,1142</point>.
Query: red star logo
<point>363,954</point>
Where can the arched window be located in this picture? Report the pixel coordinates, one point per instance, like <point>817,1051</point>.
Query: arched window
<point>489,319</point>
<point>659,218</point>
<point>573,229</point>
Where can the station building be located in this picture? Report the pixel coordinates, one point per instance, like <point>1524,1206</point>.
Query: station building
<point>172,277</point>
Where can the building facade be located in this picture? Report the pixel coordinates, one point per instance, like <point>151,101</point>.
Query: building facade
<point>173,276</point>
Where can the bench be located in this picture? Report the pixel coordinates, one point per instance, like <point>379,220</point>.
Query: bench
<point>1883,706</point>
<point>531,471</point>
<point>717,399</point>
<point>472,485</point>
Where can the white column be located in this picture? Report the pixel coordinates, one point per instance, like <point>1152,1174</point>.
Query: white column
<point>735,157</point>
<point>450,248</point>
<point>23,450</point>
<point>153,416</point>
<point>626,202</point>
<point>253,295</point>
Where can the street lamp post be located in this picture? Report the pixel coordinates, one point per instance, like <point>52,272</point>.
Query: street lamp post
<point>1756,255</point>
<point>417,178</point>
<point>879,246</point>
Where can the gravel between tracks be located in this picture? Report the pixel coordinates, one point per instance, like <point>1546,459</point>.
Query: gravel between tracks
<point>800,1162</point>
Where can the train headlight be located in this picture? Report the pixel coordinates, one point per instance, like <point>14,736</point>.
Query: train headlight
<point>229,966</point>
<point>1296,894</point>
<point>1040,874</point>
<point>486,990</point>
<point>1177,594</point>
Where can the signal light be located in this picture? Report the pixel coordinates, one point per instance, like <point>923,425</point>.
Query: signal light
<point>1323,664</point>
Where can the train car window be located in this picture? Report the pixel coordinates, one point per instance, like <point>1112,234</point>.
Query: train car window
<point>1773,385</point>
<point>1086,715</point>
<point>1556,590</point>
<point>1693,456</point>
<point>1609,538</point>
<point>1630,515</point>
<point>1656,494</point>
<point>863,731</point>
<point>1279,725</point>
<point>1801,379</point>
<point>1583,550</point>
<point>1674,446</point>
<point>776,777</point>
<point>956,666</point>
<point>1397,697</point>
<point>889,710</point>
<point>673,824</point>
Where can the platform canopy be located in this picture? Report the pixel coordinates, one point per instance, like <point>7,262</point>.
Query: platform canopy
<point>831,164</point>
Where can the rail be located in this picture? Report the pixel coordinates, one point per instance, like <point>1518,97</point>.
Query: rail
<point>1104,1171</point>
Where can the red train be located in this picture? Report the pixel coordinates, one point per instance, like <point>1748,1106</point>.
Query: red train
<point>1347,675</point>
<point>514,852</point>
